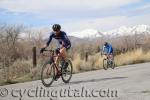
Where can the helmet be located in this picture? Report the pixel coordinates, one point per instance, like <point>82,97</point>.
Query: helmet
<point>105,43</point>
<point>56,27</point>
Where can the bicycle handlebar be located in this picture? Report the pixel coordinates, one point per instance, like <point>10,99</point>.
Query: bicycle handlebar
<point>49,50</point>
<point>52,53</point>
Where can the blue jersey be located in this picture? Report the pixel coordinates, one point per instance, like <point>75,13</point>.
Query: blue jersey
<point>108,49</point>
<point>63,40</point>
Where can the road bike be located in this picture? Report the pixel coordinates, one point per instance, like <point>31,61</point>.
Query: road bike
<point>108,62</point>
<point>51,72</point>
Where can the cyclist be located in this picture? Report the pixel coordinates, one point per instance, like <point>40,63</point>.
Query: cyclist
<point>63,41</point>
<point>108,51</point>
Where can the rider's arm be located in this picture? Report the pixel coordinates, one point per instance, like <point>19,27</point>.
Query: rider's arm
<point>67,42</point>
<point>110,49</point>
<point>50,39</point>
<point>103,49</point>
<point>47,44</point>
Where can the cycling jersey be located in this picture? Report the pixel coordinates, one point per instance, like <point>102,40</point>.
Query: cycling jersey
<point>108,49</point>
<point>63,40</point>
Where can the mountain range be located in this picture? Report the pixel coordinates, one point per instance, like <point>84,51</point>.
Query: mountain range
<point>121,31</point>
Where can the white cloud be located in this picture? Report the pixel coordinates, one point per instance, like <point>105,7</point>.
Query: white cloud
<point>143,9</point>
<point>44,6</point>
<point>106,24</point>
<point>69,8</point>
<point>147,6</point>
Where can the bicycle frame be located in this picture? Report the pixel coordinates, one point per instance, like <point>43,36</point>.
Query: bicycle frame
<point>53,57</point>
<point>108,57</point>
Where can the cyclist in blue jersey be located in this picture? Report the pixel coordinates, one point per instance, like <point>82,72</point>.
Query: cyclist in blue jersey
<point>108,50</point>
<point>63,41</point>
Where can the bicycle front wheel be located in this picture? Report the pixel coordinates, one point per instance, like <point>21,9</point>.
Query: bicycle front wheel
<point>105,64</point>
<point>67,72</point>
<point>47,74</point>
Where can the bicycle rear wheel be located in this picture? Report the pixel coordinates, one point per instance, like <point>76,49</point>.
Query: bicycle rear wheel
<point>105,64</point>
<point>67,72</point>
<point>47,74</point>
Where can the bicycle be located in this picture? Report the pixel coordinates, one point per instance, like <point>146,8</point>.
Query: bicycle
<point>52,70</point>
<point>108,63</point>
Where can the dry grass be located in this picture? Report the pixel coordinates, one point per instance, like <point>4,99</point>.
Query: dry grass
<point>133,57</point>
<point>22,70</point>
<point>97,61</point>
<point>76,64</point>
<point>94,62</point>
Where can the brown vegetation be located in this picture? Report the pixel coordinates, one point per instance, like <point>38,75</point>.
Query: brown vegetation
<point>16,53</point>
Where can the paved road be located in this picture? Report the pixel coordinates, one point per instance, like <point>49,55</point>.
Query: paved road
<point>130,82</point>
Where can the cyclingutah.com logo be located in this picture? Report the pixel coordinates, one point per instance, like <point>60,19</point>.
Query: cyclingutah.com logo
<point>3,92</point>
<point>50,93</point>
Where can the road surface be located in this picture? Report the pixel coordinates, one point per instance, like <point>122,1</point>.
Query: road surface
<point>131,82</point>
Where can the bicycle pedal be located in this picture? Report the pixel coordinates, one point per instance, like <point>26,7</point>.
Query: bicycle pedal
<point>55,78</point>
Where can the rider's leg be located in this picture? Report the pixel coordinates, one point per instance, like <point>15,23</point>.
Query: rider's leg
<point>57,60</point>
<point>111,57</point>
<point>57,65</point>
<point>63,53</point>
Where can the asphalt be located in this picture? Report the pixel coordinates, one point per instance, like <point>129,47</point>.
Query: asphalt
<point>131,82</point>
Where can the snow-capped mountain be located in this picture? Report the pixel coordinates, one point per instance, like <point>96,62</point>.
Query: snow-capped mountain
<point>141,28</point>
<point>122,31</point>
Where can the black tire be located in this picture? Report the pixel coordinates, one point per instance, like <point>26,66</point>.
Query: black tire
<point>49,77</point>
<point>67,72</point>
<point>105,64</point>
<point>113,65</point>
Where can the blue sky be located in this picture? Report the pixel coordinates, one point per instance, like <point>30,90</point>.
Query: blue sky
<point>76,15</point>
